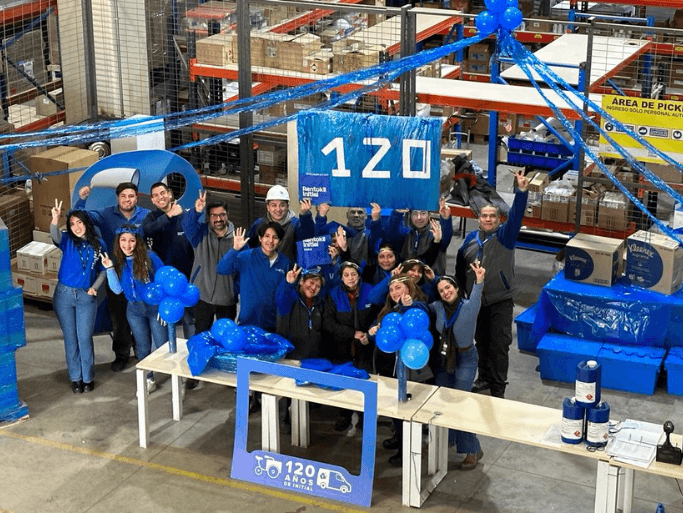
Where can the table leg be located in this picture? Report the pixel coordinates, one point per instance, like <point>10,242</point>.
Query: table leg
<point>143,407</point>
<point>301,434</point>
<point>606,487</point>
<point>270,425</point>
<point>177,397</point>
<point>412,463</point>
<point>625,483</point>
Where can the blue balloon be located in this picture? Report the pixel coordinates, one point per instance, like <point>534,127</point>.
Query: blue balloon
<point>234,340</point>
<point>511,3</point>
<point>495,5</point>
<point>162,273</point>
<point>414,322</point>
<point>171,310</point>
<point>221,328</point>
<point>414,354</point>
<point>153,293</point>
<point>486,23</point>
<point>511,18</point>
<point>427,339</point>
<point>391,319</point>
<point>175,284</point>
<point>191,296</point>
<point>389,338</point>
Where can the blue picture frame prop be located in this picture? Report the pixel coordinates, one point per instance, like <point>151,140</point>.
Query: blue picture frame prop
<point>298,474</point>
<point>394,161</point>
<point>314,251</point>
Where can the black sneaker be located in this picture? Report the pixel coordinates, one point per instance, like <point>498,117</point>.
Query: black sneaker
<point>191,384</point>
<point>119,363</point>
<point>480,385</point>
<point>392,443</point>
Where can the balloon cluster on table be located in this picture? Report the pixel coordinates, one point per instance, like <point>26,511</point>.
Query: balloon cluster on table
<point>227,338</point>
<point>499,14</point>
<point>409,335</point>
<point>171,291</point>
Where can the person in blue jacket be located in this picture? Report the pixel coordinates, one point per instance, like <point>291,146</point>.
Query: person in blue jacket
<point>107,221</point>
<point>260,270</point>
<point>387,260</point>
<point>75,297</point>
<point>455,357</point>
<point>133,268</point>
<point>492,246</point>
<point>403,295</point>
<point>411,234</point>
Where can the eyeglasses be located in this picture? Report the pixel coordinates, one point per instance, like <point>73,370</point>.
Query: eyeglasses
<point>214,216</point>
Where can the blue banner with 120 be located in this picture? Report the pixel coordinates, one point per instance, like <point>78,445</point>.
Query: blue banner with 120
<point>350,159</point>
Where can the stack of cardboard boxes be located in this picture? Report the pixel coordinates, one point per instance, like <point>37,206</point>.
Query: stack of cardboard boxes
<point>35,269</point>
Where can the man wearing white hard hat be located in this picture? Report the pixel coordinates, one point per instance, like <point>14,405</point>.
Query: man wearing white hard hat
<point>296,228</point>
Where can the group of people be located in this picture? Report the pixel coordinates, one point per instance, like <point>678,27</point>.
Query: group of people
<point>378,265</point>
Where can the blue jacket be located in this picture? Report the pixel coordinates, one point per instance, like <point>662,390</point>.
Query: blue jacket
<point>132,287</point>
<point>362,244</point>
<point>166,237</point>
<point>109,219</point>
<point>296,229</point>
<point>301,325</point>
<point>258,283</point>
<point>80,263</point>
<point>497,255</point>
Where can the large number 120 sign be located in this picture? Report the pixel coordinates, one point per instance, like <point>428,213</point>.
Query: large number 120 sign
<point>351,159</point>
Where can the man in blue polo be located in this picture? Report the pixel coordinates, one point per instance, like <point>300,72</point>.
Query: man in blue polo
<point>108,220</point>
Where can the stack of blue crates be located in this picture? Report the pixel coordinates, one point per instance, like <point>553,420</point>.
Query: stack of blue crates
<point>12,335</point>
<point>537,154</point>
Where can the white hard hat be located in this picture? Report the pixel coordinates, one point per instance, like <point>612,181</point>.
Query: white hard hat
<point>277,192</point>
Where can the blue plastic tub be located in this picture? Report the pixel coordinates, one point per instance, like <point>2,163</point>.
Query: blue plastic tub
<point>632,369</point>
<point>524,321</point>
<point>559,355</point>
<point>12,334</point>
<point>674,371</point>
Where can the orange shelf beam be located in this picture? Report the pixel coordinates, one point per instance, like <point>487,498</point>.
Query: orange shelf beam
<point>24,11</point>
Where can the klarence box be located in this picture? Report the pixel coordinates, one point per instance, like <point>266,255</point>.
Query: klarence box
<point>654,261</point>
<point>593,259</point>
<point>632,369</point>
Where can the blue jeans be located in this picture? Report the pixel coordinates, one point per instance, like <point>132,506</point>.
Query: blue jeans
<point>148,332</point>
<point>75,310</point>
<point>462,379</point>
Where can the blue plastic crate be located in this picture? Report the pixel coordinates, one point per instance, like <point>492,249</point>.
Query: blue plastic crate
<point>9,397</point>
<point>520,158</point>
<point>631,369</point>
<point>12,334</point>
<point>674,371</point>
<point>558,355</point>
<point>524,322</point>
<point>514,144</point>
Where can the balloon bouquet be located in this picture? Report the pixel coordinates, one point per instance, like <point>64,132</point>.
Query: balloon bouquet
<point>499,14</point>
<point>172,293</point>
<point>409,335</point>
<point>220,346</point>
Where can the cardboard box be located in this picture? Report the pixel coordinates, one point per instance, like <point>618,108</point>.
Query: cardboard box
<point>272,49</point>
<point>589,208</point>
<point>24,256</point>
<point>480,67</point>
<point>613,212</point>
<point>46,285</point>
<point>54,260</point>
<point>15,211</point>
<point>351,60</point>
<point>667,173</point>
<point>593,259</point>
<point>267,174</point>
<point>319,63</point>
<point>270,155</point>
<point>654,261</point>
<point>34,257</point>
<point>539,25</point>
<point>555,208</point>
<point>217,50</point>
<point>294,51</point>
<point>58,187</point>
<point>257,48</point>
<point>25,280</point>
<point>534,205</point>
<point>479,52</point>
<point>42,236</point>
<point>538,182</point>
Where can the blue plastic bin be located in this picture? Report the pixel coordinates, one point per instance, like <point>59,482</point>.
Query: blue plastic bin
<point>524,321</point>
<point>674,371</point>
<point>559,355</point>
<point>632,369</point>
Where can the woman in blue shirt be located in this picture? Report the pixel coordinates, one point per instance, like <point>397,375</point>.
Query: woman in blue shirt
<point>133,268</point>
<point>75,298</point>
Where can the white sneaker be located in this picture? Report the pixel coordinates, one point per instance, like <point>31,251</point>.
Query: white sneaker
<point>151,385</point>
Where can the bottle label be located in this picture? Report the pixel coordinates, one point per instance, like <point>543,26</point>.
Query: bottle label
<point>596,432</point>
<point>572,429</point>
<point>585,392</point>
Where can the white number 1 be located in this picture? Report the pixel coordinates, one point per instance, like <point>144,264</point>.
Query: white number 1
<point>337,144</point>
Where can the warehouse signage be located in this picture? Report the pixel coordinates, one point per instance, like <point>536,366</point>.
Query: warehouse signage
<point>660,122</point>
<point>366,158</point>
<point>296,474</point>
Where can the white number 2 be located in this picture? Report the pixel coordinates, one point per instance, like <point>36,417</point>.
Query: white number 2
<point>369,170</point>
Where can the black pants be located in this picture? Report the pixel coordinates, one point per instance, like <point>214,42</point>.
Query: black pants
<point>494,337</point>
<point>121,333</point>
<point>204,314</point>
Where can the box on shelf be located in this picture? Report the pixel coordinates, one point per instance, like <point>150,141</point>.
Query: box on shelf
<point>272,49</point>
<point>54,260</point>
<point>15,211</point>
<point>46,285</point>
<point>538,182</point>
<point>667,173</point>
<point>539,25</point>
<point>319,63</point>
<point>351,60</point>
<point>217,50</point>
<point>593,259</point>
<point>25,280</point>
<point>589,207</point>
<point>534,205</point>
<point>41,236</point>
<point>555,208</point>
<point>674,371</point>
<point>479,52</point>
<point>613,211</point>
<point>24,256</point>
<point>58,187</point>
<point>481,67</point>
<point>654,261</point>
<point>558,356</point>
<point>294,51</point>
<point>267,174</point>
<point>632,369</point>
<point>270,155</point>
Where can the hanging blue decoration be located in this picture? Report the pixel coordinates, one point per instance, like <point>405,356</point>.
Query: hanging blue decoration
<point>511,18</point>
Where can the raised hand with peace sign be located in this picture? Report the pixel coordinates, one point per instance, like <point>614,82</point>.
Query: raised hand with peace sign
<point>56,212</point>
<point>292,275</point>
<point>200,204</point>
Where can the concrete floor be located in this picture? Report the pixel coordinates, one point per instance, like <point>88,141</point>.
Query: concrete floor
<point>80,453</point>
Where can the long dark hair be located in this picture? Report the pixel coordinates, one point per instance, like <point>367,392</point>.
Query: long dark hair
<point>141,260</point>
<point>415,293</point>
<point>90,236</point>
